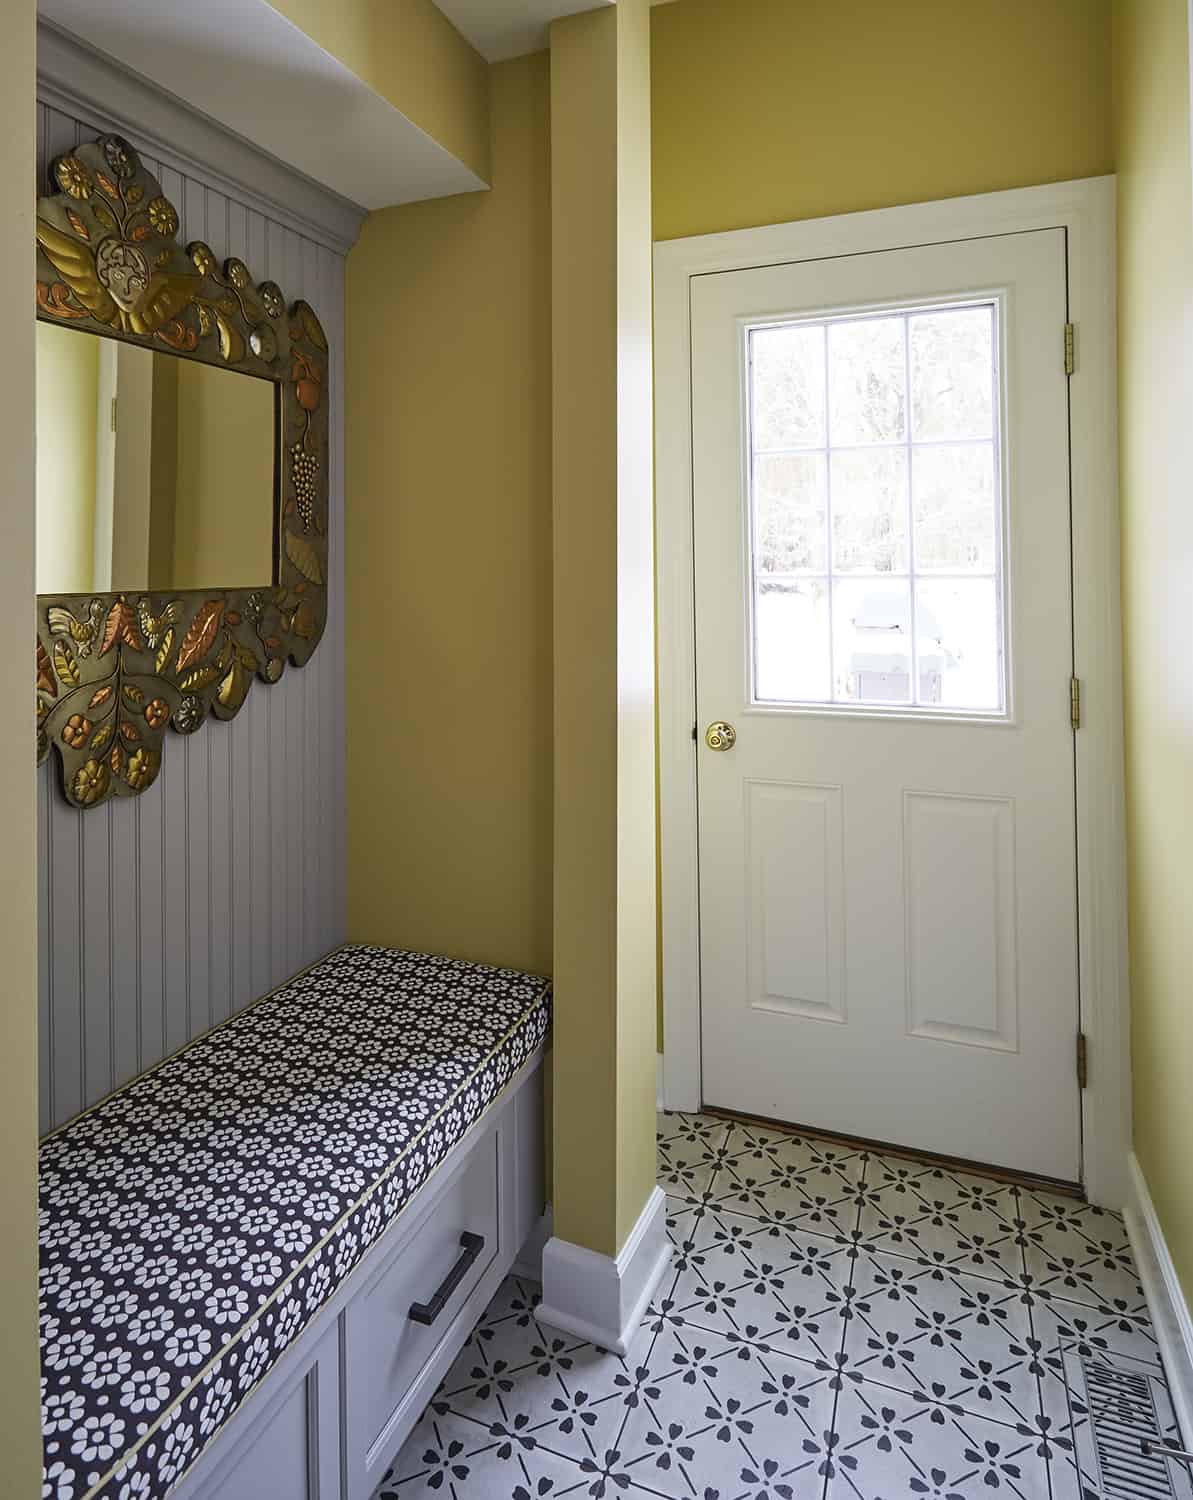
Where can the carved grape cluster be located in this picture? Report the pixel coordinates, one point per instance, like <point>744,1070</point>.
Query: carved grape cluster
<point>304,470</point>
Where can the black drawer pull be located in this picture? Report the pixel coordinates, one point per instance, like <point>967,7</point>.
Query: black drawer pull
<point>471,1246</point>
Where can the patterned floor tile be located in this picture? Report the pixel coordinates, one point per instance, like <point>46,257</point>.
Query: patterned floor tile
<point>942,1217</point>
<point>802,1188</point>
<point>715,1406</point>
<point>836,1324</point>
<point>889,1445</point>
<point>961,1338</point>
<point>458,1458</point>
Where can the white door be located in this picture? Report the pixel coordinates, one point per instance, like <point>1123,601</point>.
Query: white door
<point>883,614</point>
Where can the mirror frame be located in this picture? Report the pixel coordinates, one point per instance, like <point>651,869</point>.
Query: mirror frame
<point>115,670</point>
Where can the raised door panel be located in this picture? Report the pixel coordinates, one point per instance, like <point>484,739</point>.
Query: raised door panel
<point>795,859</point>
<point>960,892</point>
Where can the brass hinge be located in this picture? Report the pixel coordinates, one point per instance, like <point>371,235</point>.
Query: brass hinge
<point>1082,1061</point>
<point>113,414</point>
<point>1070,349</point>
<point>1075,702</point>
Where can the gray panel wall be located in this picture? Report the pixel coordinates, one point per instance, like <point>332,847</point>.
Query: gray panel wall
<point>161,915</point>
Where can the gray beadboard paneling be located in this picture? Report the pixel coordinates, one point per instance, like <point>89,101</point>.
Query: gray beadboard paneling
<point>162,915</point>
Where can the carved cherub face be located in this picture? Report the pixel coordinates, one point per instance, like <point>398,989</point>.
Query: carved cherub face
<point>123,269</point>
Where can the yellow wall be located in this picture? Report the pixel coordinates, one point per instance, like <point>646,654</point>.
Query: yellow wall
<point>408,52</point>
<point>769,110</point>
<point>604,873</point>
<point>449,557</point>
<point>1155,228</point>
<point>20,1437</point>
<point>224,506</point>
<point>67,397</point>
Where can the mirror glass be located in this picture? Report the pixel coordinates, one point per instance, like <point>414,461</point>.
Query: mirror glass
<point>153,472</point>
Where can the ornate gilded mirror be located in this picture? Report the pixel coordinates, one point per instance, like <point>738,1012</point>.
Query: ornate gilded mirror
<point>182,477</point>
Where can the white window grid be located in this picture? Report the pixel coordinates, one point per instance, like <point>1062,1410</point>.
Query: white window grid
<point>913,577</point>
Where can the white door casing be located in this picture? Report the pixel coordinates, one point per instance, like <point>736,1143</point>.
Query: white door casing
<point>888,902</point>
<point>1085,211</point>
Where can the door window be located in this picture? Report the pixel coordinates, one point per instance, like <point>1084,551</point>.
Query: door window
<point>877,512</point>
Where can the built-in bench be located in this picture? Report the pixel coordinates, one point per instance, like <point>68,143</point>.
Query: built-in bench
<point>258,1258</point>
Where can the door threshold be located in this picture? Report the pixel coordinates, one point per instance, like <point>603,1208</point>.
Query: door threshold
<point>929,1158</point>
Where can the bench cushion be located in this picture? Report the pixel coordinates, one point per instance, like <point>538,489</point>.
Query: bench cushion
<point>194,1222</point>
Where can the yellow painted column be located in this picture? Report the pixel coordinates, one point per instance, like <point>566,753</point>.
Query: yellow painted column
<point>604,849</point>
<point>20,1424</point>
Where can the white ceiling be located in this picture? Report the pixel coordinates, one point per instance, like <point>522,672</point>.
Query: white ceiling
<point>242,64</point>
<point>508,28</point>
<point>245,66</point>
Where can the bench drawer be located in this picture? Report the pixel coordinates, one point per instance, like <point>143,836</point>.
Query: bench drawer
<point>398,1321</point>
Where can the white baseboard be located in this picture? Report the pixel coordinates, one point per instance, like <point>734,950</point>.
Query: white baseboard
<point>529,1264</point>
<point>1165,1299</point>
<point>599,1298</point>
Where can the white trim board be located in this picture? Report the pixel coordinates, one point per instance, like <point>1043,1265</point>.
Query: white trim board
<point>601,1298</point>
<point>1165,1299</point>
<point>1085,210</point>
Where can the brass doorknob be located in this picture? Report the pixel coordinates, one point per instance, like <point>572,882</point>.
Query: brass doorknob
<point>720,736</point>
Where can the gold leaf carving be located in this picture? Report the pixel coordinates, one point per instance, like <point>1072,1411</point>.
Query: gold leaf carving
<point>231,341</point>
<point>77,225</point>
<point>232,689</point>
<point>310,325</point>
<point>201,677</point>
<point>121,628</point>
<point>304,557</point>
<point>101,695</point>
<point>100,741</point>
<point>75,263</point>
<point>305,623</point>
<point>134,694</point>
<point>65,664</point>
<point>197,641</point>
<point>163,651</point>
<point>46,681</point>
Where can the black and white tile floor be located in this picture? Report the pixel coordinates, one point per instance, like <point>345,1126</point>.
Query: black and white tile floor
<point>836,1325</point>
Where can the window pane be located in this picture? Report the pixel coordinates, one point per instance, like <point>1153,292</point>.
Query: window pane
<point>955,509</point>
<point>872,641</point>
<point>789,513</point>
<point>957,622</point>
<point>870,510</point>
<point>788,386</point>
<point>877,511</point>
<point>792,646</point>
<point>866,381</point>
<point>952,374</point>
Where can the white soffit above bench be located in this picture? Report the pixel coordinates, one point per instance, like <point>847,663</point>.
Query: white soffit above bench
<point>510,28</point>
<point>258,75</point>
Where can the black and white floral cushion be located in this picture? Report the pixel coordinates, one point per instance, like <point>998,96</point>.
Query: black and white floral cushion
<point>193,1223</point>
